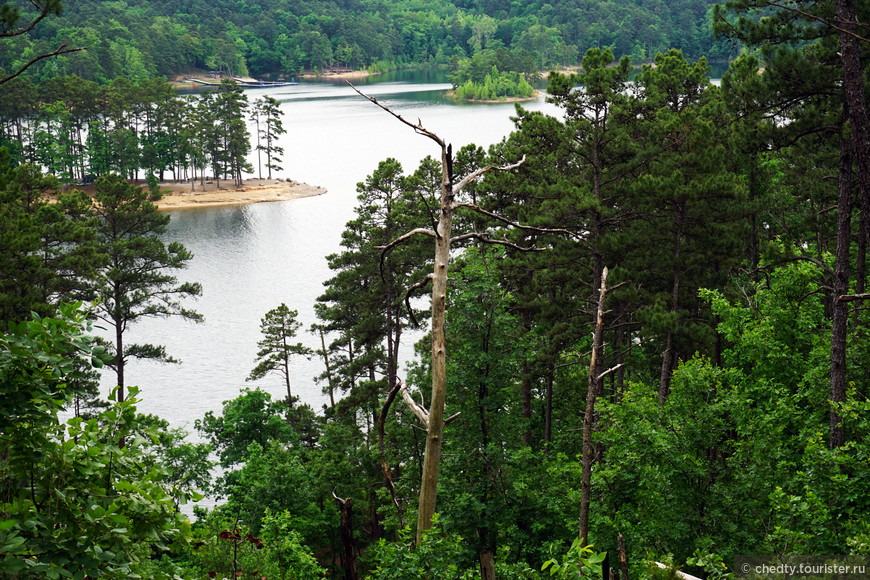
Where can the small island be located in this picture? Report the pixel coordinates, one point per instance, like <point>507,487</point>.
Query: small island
<point>493,76</point>
<point>496,87</point>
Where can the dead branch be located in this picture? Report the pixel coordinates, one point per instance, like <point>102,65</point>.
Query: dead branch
<point>610,370</point>
<point>421,413</point>
<point>44,11</point>
<point>824,21</point>
<point>488,240</point>
<point>517,225</point>
<point>405,236</point>
<point>385,250</point>
<point>418,128</point>
<point>853,297</point>
<point>478,172</point>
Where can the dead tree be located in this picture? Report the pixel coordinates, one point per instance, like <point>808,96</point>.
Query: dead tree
<point>591,393</point>
<point>442,234</point>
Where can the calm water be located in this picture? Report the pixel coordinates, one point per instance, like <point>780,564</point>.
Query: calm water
<point>252,258</point>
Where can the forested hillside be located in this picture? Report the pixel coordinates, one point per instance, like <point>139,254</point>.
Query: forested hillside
<point>649,336</point>
<point>140,39</point>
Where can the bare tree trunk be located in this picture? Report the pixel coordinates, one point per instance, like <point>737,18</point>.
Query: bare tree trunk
<point>328,371</point>
<point>591,391</point>
<point>434,420</point>
<point>623,559</point>
<point>435,432</point>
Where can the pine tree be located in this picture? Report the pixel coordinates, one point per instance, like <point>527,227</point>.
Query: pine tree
<point>814,75</point>
<point>278,327</point>
<point>231,104</point>
<point>363,300</point>
<point>268,111</point>
<point>692,234</point>
<point>135,282</point>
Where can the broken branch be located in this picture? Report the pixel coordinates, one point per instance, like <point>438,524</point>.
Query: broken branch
<point>488,240</point>
<point>517,225</point>
<point>421,413</point>
<point>477,173</point>
<point>421,284</point>
<point>418,128</point>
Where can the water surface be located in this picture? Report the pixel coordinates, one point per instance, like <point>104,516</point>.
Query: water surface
<point>249,259</point>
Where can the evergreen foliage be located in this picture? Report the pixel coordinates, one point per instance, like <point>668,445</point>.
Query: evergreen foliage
<point>730,390</point>
<point>139,39</point>
<point>134,282</point>
<point>79,130</point>
<point>278,327</point>
<point>496,86</point>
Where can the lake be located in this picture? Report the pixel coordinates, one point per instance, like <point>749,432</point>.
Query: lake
<point>249,259</point>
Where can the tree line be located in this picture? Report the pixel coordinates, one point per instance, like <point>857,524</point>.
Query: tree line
<point>79,130</point>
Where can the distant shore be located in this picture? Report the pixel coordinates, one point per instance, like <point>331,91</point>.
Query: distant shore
<point>190,81</point>
<point>180,195</point>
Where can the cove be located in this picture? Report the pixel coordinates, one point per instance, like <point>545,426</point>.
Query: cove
<point>249,259</point>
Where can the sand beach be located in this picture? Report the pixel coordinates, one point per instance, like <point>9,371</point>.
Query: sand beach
<point>183,195</point>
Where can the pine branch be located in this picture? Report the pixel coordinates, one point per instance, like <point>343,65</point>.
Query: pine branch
<point>824,21</point>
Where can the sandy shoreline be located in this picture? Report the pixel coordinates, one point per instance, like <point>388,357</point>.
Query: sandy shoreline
<point>180,196</point>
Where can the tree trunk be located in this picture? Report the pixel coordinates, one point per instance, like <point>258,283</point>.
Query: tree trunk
<point>487,564</point>
<point>620,360</point>
<point>348,551</point>
<point>526,386</point>
<point>526,410</point>
<point>119,347</point>
<point>668,355</point>
<point>328,371</point>
<point>840,309</point>
<point>859,119</point>
<point>435,430</point>
<point>591,391</point>
<point>548,409</point>
<point>623,560</point>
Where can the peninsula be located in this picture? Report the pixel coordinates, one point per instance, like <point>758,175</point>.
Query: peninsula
<point>180,196</point>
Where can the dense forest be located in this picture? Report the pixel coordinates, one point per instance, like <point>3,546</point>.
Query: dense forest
<point>649,323</point>
<point>138,39</point>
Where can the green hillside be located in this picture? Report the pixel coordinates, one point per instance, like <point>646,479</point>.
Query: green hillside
<point>141,39</point>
